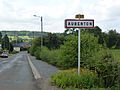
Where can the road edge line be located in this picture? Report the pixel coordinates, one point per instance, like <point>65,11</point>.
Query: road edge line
<point>34,70</point>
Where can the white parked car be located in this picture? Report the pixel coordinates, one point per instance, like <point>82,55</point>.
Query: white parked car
<point>4,55</point>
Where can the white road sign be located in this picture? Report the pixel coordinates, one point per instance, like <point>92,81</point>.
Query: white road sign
<point>74,23</point>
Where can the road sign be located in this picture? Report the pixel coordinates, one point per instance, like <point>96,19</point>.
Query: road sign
<point>75,23</point>
<point>79,23</point>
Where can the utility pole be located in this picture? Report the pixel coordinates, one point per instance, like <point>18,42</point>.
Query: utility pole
<point>41,31</point>
<point>41,20</point>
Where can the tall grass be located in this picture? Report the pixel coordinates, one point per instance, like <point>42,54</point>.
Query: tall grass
<point>70,79</point>
<point>116,54</point>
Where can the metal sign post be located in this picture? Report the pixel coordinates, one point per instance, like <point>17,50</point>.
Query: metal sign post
<point>81,23</point>
<point>78,52</point>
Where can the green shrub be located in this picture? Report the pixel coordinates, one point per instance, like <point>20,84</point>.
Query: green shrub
<point>69,51</point>
<point>71,88</point>
<point>50,56</point>
<point>32,50</point>
<point>37,52</point>
<point>66,79</point>
<point>107,69</point>
<point>54,57</point>
<point>44,54</point>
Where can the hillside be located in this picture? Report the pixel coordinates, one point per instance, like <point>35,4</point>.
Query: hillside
<point>21,33</point>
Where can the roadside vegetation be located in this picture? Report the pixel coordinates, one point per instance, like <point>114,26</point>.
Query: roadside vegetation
<point>116,54</point>
<point>100,68</point>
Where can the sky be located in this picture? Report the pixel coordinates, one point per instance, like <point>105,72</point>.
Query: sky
<point>18,14</point>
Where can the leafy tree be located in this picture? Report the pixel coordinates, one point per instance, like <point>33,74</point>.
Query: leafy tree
<point>89,46</point>
<point>112,39</point>
<point>69,52</point>
<point>5,42</point>
<point>36,41</point>
<point>52,41</point>
<point>96,31</point>
<point>0,37</point>
<point>11,47</point>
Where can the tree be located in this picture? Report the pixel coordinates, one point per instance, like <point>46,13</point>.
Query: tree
<point>0,37</point>
<point>5,43</point>
<point>52,41</point>
<point>89,46</point>
<point>10,47</point>
<point>97,31</point>
<point>113,38</point>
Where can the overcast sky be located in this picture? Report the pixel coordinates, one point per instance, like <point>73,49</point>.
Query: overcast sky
<point>18,14</point>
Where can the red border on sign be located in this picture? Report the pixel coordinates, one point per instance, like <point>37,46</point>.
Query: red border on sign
<point>78,20</point>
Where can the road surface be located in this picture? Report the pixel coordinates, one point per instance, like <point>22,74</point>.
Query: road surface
<point>16,74</point>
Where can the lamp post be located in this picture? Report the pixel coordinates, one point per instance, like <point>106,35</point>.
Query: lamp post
<point>41,20</point>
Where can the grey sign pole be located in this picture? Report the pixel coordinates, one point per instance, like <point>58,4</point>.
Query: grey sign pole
<point>79,52</point>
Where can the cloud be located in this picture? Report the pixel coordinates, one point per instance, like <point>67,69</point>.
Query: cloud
<point>18,14</point>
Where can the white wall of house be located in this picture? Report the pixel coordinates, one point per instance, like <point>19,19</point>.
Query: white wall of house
<point>17,49</point>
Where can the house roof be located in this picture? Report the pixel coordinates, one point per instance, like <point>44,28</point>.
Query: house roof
<point>23,44</point>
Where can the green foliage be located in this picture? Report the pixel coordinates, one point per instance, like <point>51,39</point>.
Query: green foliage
<point>66,79</point>
<point>107,68</point>
<point>36,42</point>
<point>110,39</point>
<point>93,57</point>
<point>50,56</point>
<point>114,39</point>
<point>5,42</point>
<point>10,47</point>
<point>32,50</point>
<point>116,54</point>
<point>37,53</point>
<point>44,54</point>
<point>69,52</point>
<point>0,37</point>
<point>52,41</point>
<point>89,47</point>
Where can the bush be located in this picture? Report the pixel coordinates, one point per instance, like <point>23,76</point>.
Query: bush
<point>37,53</point>
<point>93,57</point>
<point>69,51</point>
<point>32,50</point>
<point>107,69</point>
<point>50,56</point>
<point>66,79</point>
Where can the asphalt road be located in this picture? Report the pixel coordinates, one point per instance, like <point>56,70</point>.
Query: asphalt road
<point>15,73</point>
<point>46,70</point>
